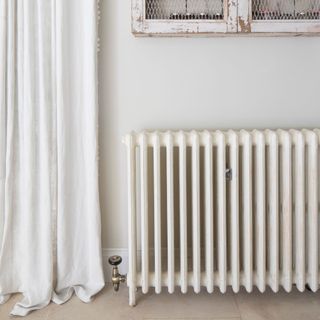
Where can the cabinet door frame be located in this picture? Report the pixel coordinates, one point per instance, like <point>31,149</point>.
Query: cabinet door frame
<point>246,25</point>
<point>149,27</point>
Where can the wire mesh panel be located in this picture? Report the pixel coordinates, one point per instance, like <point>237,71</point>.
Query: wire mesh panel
<point>184,9</point>
<point>285,9</point>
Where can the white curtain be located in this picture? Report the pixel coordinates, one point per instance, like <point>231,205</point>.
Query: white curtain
<point>49,205</point>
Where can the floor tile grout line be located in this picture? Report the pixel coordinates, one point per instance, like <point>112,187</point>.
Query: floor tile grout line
<point>237,305</point>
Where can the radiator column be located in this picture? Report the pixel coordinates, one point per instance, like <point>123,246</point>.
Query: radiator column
<point>132,234</point>
<point>234,208</point>
<point>170,213</point>
<point>247,189</point>
<point>196,212</point>
<point>286,186</point>
<point>273,201</point>
<point>183,212</point>
<point>144,213</point>
<point>157,212</point>
<point>300,221</point>
<point>260,209</point>
<point>209,227</point>
<point>222,223</point>
<point>313,213</point>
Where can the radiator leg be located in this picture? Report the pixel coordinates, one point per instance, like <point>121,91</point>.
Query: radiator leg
<point>132,296</point>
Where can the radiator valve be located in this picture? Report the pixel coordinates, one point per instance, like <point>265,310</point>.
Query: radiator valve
<point>117,278</point>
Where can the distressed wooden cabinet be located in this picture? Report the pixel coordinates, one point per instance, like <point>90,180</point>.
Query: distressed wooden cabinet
<point>219,17</point>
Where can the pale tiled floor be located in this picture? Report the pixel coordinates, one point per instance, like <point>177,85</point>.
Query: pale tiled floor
<point>255,306</point>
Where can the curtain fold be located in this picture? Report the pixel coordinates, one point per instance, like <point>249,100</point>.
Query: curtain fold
<point>49,205</point>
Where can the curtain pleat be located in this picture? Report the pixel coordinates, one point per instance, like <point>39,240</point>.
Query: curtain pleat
<point>78,154</point>
<point>49,212</point>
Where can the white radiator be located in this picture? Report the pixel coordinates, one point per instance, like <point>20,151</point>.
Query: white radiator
<point>213,208</point>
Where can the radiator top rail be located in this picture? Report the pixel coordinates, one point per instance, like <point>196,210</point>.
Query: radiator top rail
<point>215,136</point>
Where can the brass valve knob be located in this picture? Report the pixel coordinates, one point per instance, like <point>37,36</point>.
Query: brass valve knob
<point>115,260</point>
<point>117,278</point>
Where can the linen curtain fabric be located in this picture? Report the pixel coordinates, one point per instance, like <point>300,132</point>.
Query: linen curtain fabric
<point>49,205</point>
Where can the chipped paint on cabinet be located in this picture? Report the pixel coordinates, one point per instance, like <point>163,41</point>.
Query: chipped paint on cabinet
<point>236,19</point>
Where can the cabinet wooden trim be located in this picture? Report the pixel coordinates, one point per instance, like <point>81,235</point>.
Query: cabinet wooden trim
<point>237,21</point>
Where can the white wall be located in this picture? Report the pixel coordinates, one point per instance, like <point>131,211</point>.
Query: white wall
<point>173,83</point>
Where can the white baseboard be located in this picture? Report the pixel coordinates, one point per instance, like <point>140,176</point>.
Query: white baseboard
<point>107,268</point>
